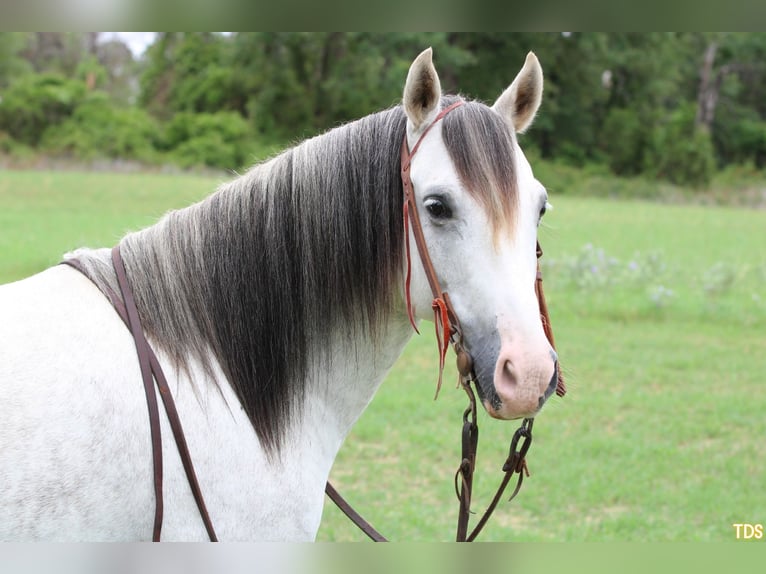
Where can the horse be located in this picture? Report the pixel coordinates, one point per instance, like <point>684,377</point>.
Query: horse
<point>276,306</point>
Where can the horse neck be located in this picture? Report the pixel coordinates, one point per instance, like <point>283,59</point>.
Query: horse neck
<point>340,391</point>
<point>266,271</point>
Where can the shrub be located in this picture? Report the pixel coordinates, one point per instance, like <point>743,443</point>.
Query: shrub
<point>100,128</point>
<point>623,141</point>
<point>37,102</point>
<point>740,137</point>
<point>215,140</point>
<point>680,152</point>
<point>9,147</point>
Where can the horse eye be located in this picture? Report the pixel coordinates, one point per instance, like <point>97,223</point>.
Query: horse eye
<point>437,208</point>
<point>543,210</point>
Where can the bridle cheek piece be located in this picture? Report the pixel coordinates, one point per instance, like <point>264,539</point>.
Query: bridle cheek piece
<point>445,320</point>
<point>448,330</point>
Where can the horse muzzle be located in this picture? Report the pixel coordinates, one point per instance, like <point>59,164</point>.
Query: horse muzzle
<point>519,387</point>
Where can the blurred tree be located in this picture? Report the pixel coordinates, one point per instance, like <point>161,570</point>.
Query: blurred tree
<point>12,65</point>
<point>37,102</point>
<point>615,98</point>
<point>122,71</point>
<point>732,99</point>
<point>573,64</point>
<point>650,75</point>
<point>189,72</point>
<point>59,52</point>
<point>295,84</point>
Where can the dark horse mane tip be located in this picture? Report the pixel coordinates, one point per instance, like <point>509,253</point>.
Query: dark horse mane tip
<point>273,262</point>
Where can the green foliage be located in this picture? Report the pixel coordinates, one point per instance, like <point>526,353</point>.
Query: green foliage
<point>100,128</point>
<point>566,127</point>
<point>619,100</point>
<point>296,84</point>
<point>189,72</point>
<point>11,63</point>
<point>623,141</point>
<point>37,102</point>
<point>215,140</point>
<point>680,152</point>
<point>739,136</point>
<point>8,145</point>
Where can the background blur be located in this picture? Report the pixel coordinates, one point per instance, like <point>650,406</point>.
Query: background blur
<point>677,108</point>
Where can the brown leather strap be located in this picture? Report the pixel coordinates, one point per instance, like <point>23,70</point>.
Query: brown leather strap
<point>514,464</point>
<point>561,388</point>
<point>353,515</point>
<point>148,362</point>
<point>181,445</point>
<point>464,475</point>
<point>142,349</point>
<point>445,319</point>
<point>412,217</point>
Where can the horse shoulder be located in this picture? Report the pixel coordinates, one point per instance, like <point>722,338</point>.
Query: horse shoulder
<point>67,446</point>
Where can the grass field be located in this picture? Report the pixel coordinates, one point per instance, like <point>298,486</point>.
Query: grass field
<point>660,317</point>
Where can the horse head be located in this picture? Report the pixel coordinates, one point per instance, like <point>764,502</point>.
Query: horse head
<point>480,206</point>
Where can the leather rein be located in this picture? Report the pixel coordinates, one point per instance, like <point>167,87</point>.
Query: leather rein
<point>447,331</point>
<point>151,371</point>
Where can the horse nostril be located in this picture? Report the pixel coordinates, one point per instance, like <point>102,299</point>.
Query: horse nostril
<point>509,374</point>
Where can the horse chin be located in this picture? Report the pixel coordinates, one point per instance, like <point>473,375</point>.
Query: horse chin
<point>497,409</point>
<point>492,403</point>
<point>498,413</point>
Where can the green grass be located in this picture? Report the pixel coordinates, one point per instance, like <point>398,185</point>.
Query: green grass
<point>44,214</point>
<point>661,435</point>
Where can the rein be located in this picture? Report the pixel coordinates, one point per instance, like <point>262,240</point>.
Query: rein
<point>151,371</point>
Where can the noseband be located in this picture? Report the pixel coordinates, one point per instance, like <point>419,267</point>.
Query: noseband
<point>448,331</point>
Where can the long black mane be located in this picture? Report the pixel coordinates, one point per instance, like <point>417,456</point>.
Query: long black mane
<point>257,276</point>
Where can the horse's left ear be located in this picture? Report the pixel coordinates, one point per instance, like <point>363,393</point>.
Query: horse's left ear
<point>422,92</point>
<point>518,104</point>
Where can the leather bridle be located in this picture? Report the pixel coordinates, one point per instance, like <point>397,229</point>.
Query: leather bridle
<point>447,331</point>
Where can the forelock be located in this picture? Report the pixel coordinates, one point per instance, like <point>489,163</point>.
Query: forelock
<point>481,147</point>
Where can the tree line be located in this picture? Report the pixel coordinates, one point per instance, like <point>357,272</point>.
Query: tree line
<point>673,106</point>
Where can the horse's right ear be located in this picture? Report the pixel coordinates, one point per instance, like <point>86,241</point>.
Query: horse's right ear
<point>422,93</point>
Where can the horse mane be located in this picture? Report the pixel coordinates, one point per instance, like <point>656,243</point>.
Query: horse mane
<point>301,247</point>
<point>481,146</point>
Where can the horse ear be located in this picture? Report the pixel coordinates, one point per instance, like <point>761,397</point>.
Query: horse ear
<point>422,92</point>
<point>518,104</point>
